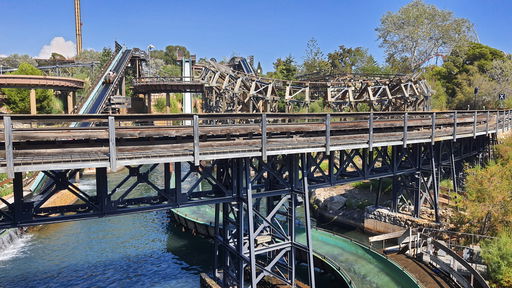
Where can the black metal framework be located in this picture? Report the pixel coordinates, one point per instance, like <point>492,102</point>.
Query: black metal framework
<point>261,240</point>
<point>416,170</point>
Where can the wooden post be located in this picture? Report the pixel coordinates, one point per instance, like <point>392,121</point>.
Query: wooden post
<point>33,107</point>
<point>123,86</point>
<point>149,103</point>
<point>167,103</point>
<point>112,143</point>
<point>69,102</point>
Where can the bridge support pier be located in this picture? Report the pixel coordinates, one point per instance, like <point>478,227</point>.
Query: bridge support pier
<point>251,243</point>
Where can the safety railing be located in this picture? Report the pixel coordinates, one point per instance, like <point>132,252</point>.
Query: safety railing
<point>196,137</point>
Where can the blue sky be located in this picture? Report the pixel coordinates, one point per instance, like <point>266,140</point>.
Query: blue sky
<point>265,29</point>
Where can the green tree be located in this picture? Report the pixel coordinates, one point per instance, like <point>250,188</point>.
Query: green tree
<point>439,97</point>
<point>474,65</point>
<point>352,60</point>
<point>173,51</point>
<point>418,31</point>
<point>284,69</point>
<point>314,62</point>
<point>165,62</point>
<point>15,60</point>
<point>106,56</point>
<point>18,99</point>
<point>169,71</point>
<point>497,254</point>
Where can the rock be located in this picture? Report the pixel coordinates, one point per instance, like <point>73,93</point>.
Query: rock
<point>334,203</point>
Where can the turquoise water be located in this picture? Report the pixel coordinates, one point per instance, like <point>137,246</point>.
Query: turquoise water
<point>363,266</point>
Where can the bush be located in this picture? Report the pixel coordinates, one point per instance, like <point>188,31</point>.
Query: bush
<point>497,254</point>
<point>486,207</point>
<point>160,105</point>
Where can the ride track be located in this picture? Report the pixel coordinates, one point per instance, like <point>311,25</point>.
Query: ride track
<point>226,90</point>
<point>353,264</point>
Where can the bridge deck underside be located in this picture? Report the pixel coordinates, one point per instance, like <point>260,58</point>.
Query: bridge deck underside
<point>43,82</point>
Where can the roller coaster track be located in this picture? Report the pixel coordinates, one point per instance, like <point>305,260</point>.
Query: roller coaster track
<point>96,101</point>
<point>228,90</point>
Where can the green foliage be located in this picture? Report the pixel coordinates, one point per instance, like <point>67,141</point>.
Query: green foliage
<point>418,31</point>
<point>467,67</point>
<point>169,71</point>
<point>174,104</point>
<point>15,60</point>
<point>316,106</point>
<point>105,56</point>
<point>439,97</point>
<point>446,183</point>
<point>284,69</point>
<point>314,61</point>
<point>387,185</point>
<point>497,254</point>
<point>363,107</point>
<point>160,105</point>
<point>165,63</point>
<point>350,60</point>
<point>170,54</point>
<point>18,100</point>
<point>486,205</point>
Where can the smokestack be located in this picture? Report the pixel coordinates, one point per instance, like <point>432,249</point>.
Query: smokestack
<point>78,28</point>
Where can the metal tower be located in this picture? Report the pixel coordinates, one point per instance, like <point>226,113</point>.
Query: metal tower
<point>78,28</point>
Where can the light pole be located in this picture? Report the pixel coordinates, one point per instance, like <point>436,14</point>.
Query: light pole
<point>474,99</point>
<point>150,47</point>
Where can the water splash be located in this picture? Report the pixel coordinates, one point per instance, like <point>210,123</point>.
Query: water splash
<point>15,249</point>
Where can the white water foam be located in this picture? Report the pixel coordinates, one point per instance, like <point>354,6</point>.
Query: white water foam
<point>15,248</point>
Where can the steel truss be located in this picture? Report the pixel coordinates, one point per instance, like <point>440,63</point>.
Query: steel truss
<point>261,242</point>
<point>416,170</point>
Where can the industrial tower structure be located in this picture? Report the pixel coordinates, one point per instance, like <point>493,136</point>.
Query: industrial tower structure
<point>78,28</point>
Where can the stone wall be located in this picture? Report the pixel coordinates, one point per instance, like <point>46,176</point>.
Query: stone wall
<point>383,220</point>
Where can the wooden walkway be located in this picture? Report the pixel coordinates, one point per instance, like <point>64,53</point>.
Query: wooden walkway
<point>44,142</point>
